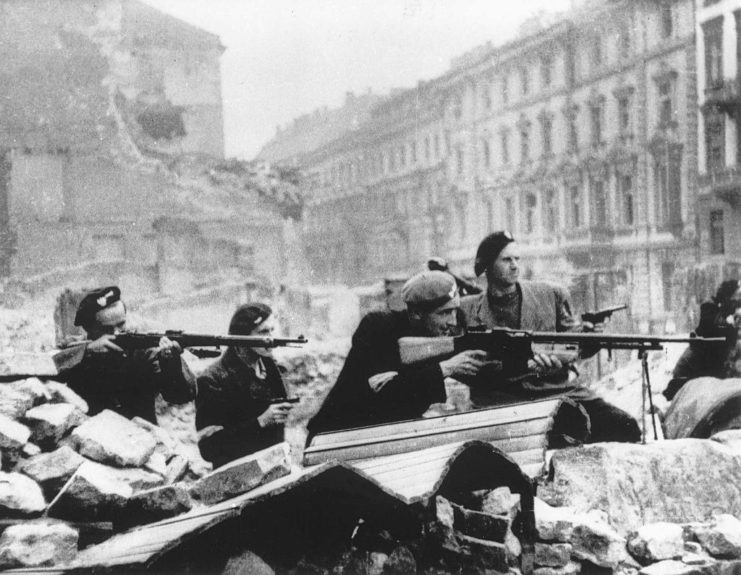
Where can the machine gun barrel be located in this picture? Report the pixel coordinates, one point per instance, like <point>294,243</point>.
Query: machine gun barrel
<point>145,340</point>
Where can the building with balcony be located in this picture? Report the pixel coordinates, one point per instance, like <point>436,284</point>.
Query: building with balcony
<point>579,136</point>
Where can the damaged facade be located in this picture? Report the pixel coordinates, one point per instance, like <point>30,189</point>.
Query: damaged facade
<point>579,136</point>
<point>111,128</point>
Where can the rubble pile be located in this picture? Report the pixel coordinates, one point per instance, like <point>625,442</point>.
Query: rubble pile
<point>69,479</point>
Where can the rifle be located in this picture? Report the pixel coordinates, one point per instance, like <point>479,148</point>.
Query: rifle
<point>601,315</point>
<point>273,400</point>
<point>513,348</point>
<point>131,340</point>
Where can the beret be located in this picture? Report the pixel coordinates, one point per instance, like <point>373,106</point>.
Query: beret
<point>94,301</point>
<point>429,290</point>
<point>489,249</point>
<point>248,317</point>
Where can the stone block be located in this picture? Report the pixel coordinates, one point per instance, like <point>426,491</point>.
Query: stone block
<point>176,468</point>
<point>156,464</point>
<point>62,393</point>
<point>37,543</point>
<point>155,504</point>
<point>481,525</point>
<point>112,439</point>
<point>92,493</point>
<point>571,568</point>
<point>49,422</point>
<point>674,567</point>
<point>22,364</point>
<point>721,538</point>
<point>52,470</point>
<point>20,495</point>
<point>444,511</point>
<point>598,543</point>
<point>32,387</point>
<point>137,478</point>
<point>13,435</point>
<point>552,554</point>
<point>13,402</point>
<point>554,523</point>
<point>246,562</point>
<point>479,555</point>
<point>657,542</point>
<point>166,445</point>
<point>243,474</point>
<point>400,561</point>
<point>500,501</point>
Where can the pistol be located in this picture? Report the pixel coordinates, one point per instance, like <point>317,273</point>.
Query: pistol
<point>601,315</point>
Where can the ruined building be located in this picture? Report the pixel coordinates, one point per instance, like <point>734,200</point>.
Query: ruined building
<point>580,136</point>
<point>111,139</point>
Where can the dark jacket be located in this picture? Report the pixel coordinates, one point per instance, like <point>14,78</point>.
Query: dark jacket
<point>407,392</point>
<point>230,395</point>
<point>127,385</point>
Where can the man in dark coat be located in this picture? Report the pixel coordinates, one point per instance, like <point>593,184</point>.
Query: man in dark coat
<point>234,413</point>
<point>534,306</point>
<point>373,386</point>
<point>125,381</point>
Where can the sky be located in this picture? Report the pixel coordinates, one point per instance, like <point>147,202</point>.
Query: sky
<point>285,58</point>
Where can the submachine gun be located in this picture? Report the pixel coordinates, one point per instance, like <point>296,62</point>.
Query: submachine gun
<point>199,344</point>
<point>511,349</point>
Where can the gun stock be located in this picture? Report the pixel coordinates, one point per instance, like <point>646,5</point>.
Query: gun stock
<point>415,349</point>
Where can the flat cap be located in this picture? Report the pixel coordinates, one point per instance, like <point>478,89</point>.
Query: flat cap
<point>93,302</point>
<point>248,317</point>
<point>489,249</point>
<point>429,290</point>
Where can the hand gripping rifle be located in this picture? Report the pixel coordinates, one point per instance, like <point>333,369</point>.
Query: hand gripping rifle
<point>514,348</point>
<point>130,340</point>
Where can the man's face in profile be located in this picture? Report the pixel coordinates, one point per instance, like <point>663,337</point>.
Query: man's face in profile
<point>108,321</point>
<point>441,321</point>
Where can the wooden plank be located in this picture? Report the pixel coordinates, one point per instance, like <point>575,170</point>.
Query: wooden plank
<point>476,418</point>
<point>401,443</point>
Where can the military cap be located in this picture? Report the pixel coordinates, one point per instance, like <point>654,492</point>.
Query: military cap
<point>489,249</point>
<point>429,290</point>
<point>248,317</point>
<point>93,302</point>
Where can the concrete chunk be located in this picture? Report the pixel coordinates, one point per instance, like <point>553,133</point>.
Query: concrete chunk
<point>552,554</point>
<point>481,525</point>
<point>33,387</point>
<point>673,567</point>
<point>52,470</point>
<point>13,435</point>
<point>21,364</point>
<point>112,439</point>
<point>13,402</point>
<point>721,538</point>
<point>243,474</point>
<point>155,504</point>
<point>51,421</point>
<point>20,494</point>
<point>62,393</point>
<point>166,445</point>
<point>554,523</point>
<point>571,568</point>
<point>598,543</point>
<point>37,543</point>
<point>657,542</point>
<point>481,555</point>
<point>93,492</point>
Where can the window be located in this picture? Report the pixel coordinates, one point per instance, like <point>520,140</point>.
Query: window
<point>717,233</point>
<point>489,211</point>
<point>413,152</point>
<point>457,107</point>
<point>524,81</point>
<point>667,275</point>
<point>713,35</point>
<point>627,201</point>
<point>667,19</point>
<point>486,97</point>
<point>505,146</point>
<point>486,152</point>
<point>545,71</point>
<point>714,140</point>
<point>575,207</point>
<point>509,212</point>
<point>624,42</point>
<point>547,127</point>
<point>599,195</point>
<point>524,144</point>
<point>666,110</point>
<point>505,90</point>
<point>668,185</point>
<point>596,111</point>
<point>427,148</point>
<point>596,51</point>
<point>550,212</point>
<point>459,159</point>
<point>624,116</point>
<point>436,145</point>
<point>392,161</point>
<point>460,213</point>
<point>402,156</point>
<point>572,131</point>
<point>531,207</point>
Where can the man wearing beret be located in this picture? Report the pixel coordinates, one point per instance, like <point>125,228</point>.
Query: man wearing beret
<point>109,377</point>
<point>234,412</point>
<point>534,306</point>
<point>373,386</point>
